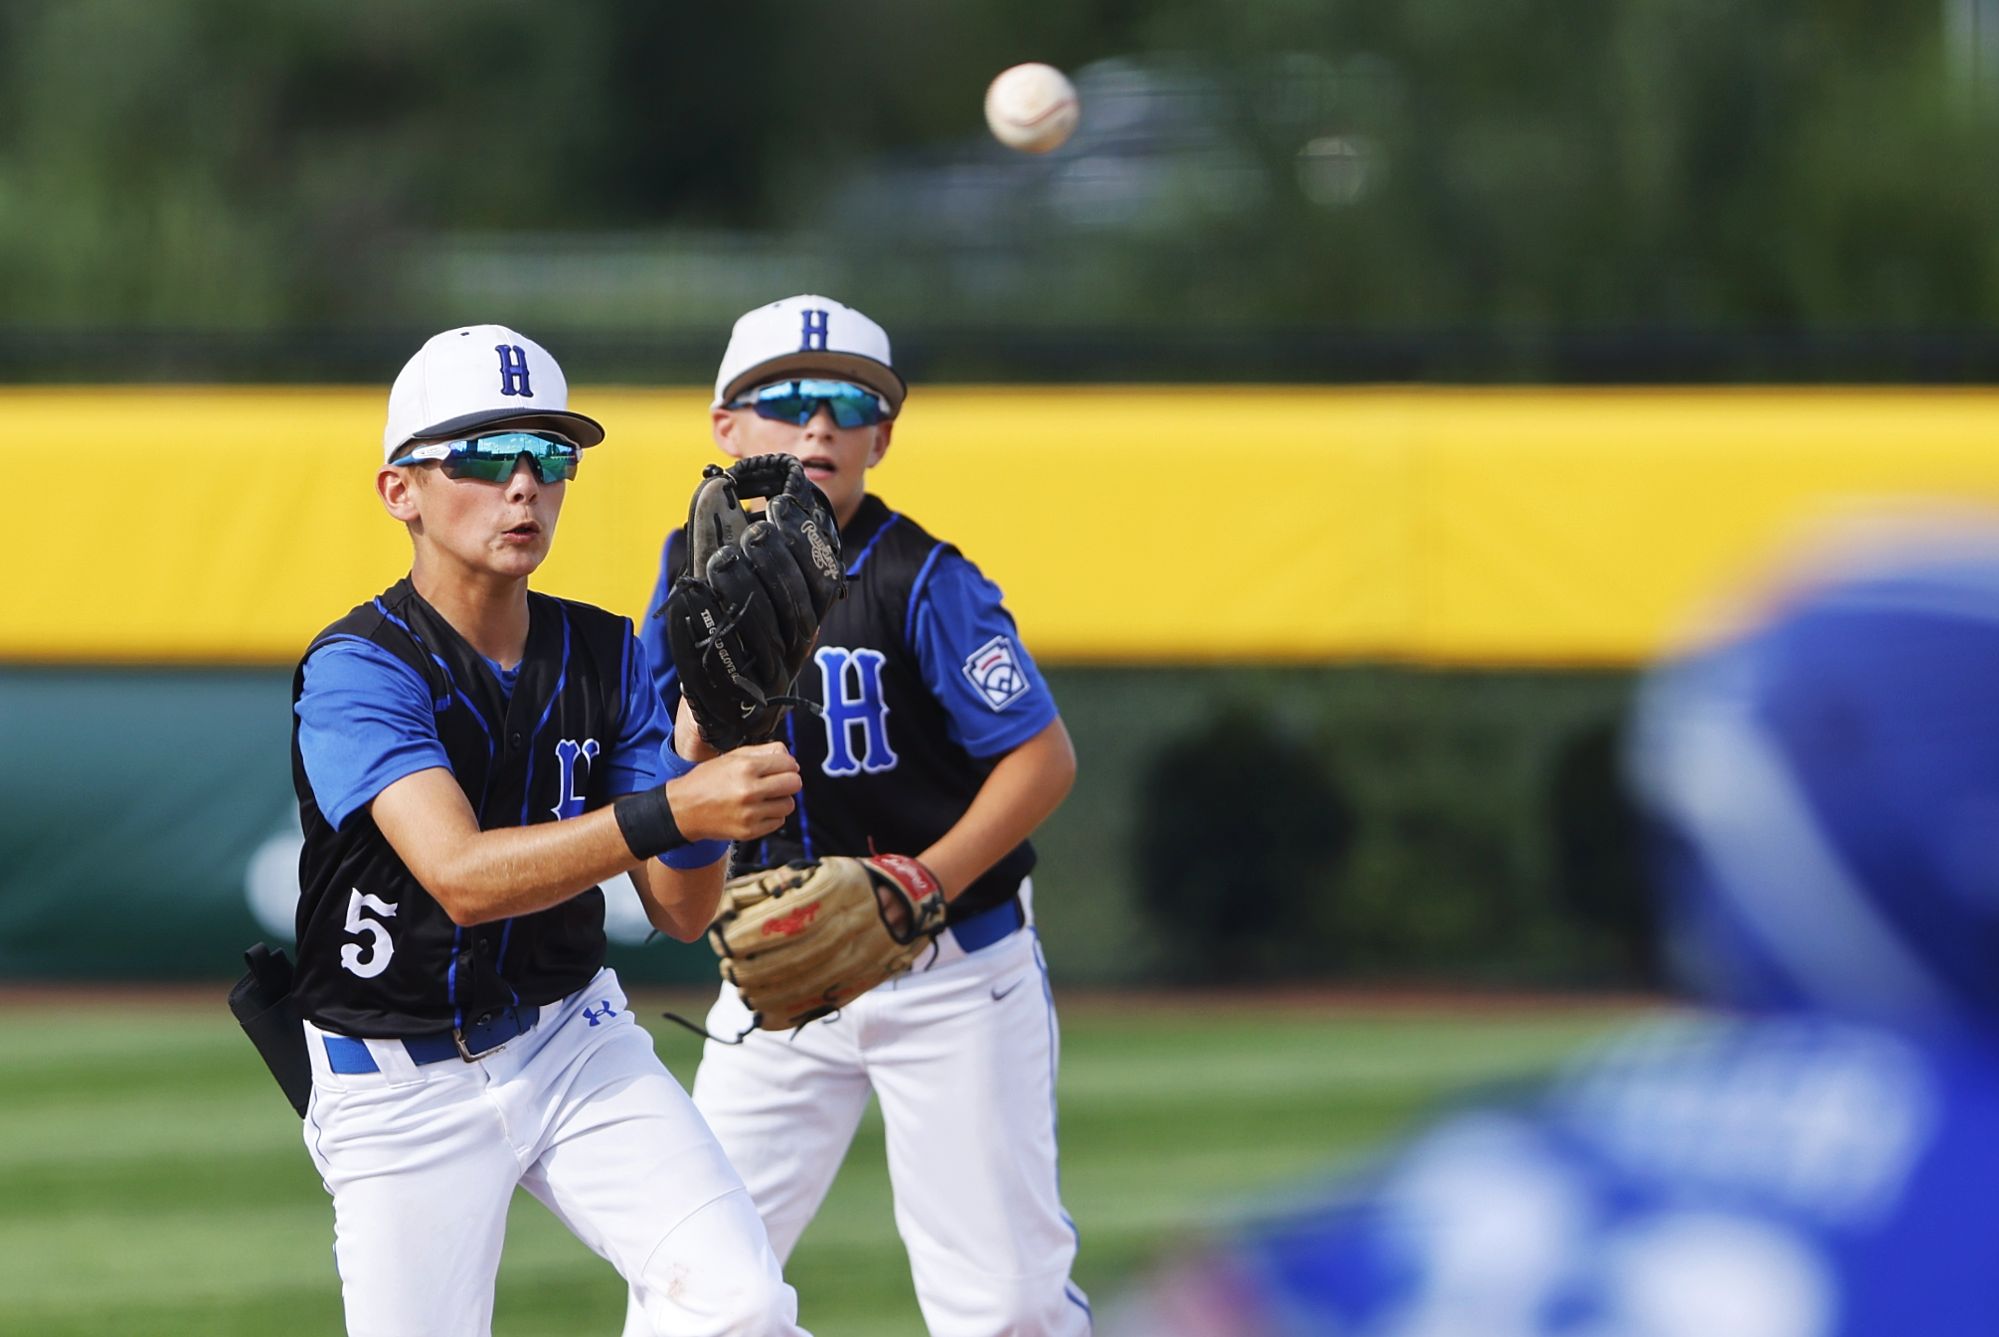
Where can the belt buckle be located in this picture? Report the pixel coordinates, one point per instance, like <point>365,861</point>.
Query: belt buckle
<point>465,1051</point>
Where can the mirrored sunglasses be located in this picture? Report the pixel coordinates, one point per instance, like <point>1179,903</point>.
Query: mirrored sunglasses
<point>492,458</point>
<point>798,402</point>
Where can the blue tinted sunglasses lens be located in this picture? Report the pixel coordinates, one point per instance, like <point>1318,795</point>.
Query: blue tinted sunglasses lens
<point>492,459</point>
<point>798,402</point>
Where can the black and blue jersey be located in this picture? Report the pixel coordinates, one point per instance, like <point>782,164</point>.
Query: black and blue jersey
<point>923,685</point>
<point>391,689</point>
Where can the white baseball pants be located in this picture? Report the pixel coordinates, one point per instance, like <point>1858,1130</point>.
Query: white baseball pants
<point>422,1161</point>
<point>963,1058</point>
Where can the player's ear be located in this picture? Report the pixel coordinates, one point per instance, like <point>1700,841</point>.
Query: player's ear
<point>880,447</point>
<point>397,489</point>
<point>726,425</point>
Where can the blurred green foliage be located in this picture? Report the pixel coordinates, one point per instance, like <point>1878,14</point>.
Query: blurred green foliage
<point>1359,823</point>
<point>1521,166</point>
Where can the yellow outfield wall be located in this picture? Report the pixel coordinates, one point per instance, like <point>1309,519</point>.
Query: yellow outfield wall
<point>1126,524</point>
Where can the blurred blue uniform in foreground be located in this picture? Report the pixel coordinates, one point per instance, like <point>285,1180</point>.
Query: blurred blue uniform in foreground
<point>1820,1161</point>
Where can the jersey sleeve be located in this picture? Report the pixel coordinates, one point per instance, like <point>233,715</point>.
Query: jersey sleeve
<point>644,729</point>
<point>972,658</point>
<point>364,722</point>
<point>652,632</point>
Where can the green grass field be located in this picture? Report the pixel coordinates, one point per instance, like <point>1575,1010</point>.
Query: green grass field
<point>152,1180</point>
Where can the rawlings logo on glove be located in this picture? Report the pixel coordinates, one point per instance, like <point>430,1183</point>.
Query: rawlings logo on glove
<point>802,941</point>
<point>796,922</point>
<point>741,622</point>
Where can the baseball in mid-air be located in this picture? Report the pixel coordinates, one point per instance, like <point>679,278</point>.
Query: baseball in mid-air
<point>1032,107</point>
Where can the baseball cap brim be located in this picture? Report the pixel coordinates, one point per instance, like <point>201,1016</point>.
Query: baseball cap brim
<point>583,430</point>
<point>862,371</point>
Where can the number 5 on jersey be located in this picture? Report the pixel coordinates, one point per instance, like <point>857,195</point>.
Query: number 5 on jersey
<point>372,960</point>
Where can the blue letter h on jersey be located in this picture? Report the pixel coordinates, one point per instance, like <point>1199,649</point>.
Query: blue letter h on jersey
<point>844,711</point>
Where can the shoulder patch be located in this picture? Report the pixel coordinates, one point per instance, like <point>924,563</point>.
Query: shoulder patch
<point>994,669</point>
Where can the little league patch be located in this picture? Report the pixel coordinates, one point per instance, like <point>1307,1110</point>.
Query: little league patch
<point>994,669</point>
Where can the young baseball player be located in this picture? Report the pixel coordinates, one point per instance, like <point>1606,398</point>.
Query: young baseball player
<point>471,759</point>
<point>1813,1158</point>
<point>937,739</point>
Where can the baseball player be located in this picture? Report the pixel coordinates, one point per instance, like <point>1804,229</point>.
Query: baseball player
<point>471,759</point>
<point>1816,1161</point>
<point>935,738</point>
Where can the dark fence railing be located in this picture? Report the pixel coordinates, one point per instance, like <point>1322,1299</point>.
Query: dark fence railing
<point>943,353</point>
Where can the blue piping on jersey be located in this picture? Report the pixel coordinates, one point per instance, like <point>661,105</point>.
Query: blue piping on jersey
<point>561,681</point>
<point>456,693</point>
<point>527,794</point>
<point>451,980</point>
<point>922,581</point>
<point>401,663</point>
<point>436,658</point>
<point>458,933</point>
<point>804,826</point>
<point>445,668</point>
<point>894,519</point>
<point>506,935</point>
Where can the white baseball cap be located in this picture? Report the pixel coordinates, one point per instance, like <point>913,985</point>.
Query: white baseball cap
<point>476,377</point>
<point>808,335</point>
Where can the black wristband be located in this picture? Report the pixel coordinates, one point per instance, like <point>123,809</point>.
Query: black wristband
<point>646,820</point>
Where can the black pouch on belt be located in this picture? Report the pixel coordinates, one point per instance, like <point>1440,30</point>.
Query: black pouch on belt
<point>262,1004</point>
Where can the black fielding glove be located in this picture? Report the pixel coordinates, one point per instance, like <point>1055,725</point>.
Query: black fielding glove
<point>742,621</point>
